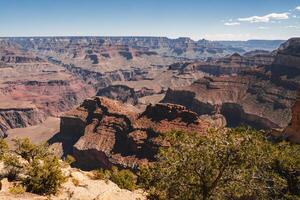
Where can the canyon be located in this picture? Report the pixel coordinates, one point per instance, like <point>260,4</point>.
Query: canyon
<point>222,82</point>
<point>108,101</point>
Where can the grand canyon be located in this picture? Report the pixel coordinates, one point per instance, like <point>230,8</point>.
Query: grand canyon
<point>45,77</point>
<point>105,100</point>
<point>133,117</point>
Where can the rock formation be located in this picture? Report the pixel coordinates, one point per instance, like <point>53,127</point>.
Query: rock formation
<point>16,117</point>
<point>121,93</point>
<point>103,132</point>
<point>56,73</point>
<point>32,88</point>
<point>228,65</point>
<point>262,96</point>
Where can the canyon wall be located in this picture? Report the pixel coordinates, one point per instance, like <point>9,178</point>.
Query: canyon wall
<point>262,97</point>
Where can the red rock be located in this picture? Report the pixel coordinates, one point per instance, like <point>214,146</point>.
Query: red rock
<point>110,133</point>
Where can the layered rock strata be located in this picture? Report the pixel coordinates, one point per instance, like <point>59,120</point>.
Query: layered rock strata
<point>102,132</point>
<point>262,97</point>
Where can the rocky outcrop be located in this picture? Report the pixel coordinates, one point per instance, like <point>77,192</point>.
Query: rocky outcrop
<point>121,93</point>
<point>93,58</point>
<point>236,60</point>
<point>261,97</point>
<point>237,98</point>
<point>18,117</point>
<point>228,65</point>
<point>102,132</point>
<point>51,97</point>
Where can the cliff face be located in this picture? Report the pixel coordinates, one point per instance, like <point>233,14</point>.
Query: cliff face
<point>237,99</point>
<point>247,60</point>
<point>18,117</point>
<point>228,65</point>
<point>121,93</point>
<point>262,97</point>
<point>32,88</point>
<point>102,132</point>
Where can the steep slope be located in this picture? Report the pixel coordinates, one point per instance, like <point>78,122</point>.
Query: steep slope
<point>228,65</point>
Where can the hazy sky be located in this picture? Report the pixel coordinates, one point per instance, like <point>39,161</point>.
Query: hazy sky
<point>210,19</point>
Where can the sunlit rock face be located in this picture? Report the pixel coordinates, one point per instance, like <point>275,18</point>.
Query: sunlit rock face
<point>262,97</point>
<point>103,132</point>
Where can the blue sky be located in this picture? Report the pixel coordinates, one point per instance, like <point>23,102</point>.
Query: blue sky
<point>210,19</point>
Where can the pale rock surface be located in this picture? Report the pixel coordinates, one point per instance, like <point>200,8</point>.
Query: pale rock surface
<point>86,189</point>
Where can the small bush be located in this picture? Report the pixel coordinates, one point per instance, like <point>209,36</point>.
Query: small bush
<point>34,165</point>
<point>17,189</point>
<point>29,151</point>
<point>44,176</point>
<point>125,179</point>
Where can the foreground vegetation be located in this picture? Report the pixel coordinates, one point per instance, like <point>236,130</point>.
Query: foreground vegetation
<point>125,179</point>
<point>235,164</point>
<point>34,166</point>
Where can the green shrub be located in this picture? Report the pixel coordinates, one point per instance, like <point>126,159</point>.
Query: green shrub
<point>125,179</point>
<point>28,150</point>
<point>13,166</point>
<point>223,164</point>
<point>44,176</point>
<point>41,171</point>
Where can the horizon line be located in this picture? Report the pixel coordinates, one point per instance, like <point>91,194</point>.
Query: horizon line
<point>138,36</point>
